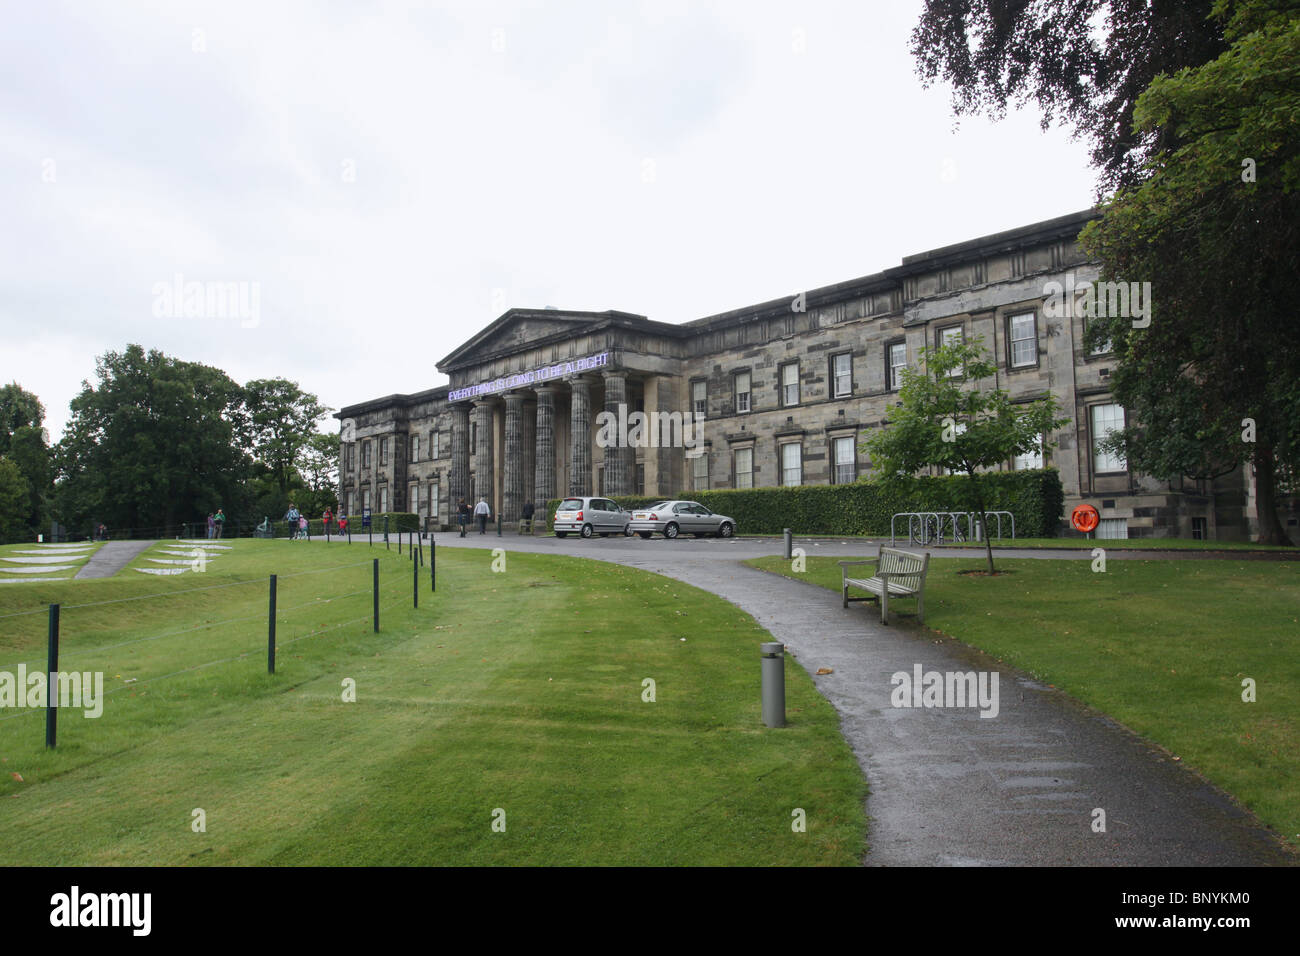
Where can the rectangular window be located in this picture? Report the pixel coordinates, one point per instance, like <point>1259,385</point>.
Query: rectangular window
<point>383,500</point>
<point>790,384</point>
<point>415,448</point>
<point>433,444</point>
<point>744,468</point>
<point>951,336</point>
<point>1030,459</point>
<point>846,467</point>
<point>792,463</point>
<point>700,472</point>
<point>413,505</point>
<point>742,392</point>
<point>1112,528</point>
<point>349,456</point>
<point>365,454</point>
<point>896,360</point>
<point>1022,339</point>
<point>434,500</point>
<point>700,399</point>
<point>365,499</point>
<point>383,452</point>
<point>842,372</point>
<point>1106,419</point>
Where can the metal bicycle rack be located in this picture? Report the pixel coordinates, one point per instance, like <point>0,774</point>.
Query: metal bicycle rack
<point>926,527</point>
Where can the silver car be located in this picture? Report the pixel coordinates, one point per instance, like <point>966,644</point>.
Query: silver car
<point>589,516</point>
<point>671,518</point>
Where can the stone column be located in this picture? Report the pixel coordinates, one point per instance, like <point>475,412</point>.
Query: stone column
<point>616,480</point>
<point>512,496</point>
<point>580,437</point>
<point>530,455</point>
<point>458,476</point>
<point>544,476</point>
<point>483,470</point>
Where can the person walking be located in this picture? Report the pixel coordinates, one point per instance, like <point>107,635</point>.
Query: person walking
<point>302,527</point>
<point>326,518</point>
<point>292,517</point>
<point>219,522</point>
<point>212,526</point>
<point>482,511</point>
<point>343,523</point>
<point>462,516</point>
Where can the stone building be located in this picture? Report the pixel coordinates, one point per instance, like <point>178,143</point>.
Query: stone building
<point>787,390</point>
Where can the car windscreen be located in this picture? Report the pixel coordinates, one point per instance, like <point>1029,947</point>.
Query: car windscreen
<point>657,506</point>
<point>571,504</point>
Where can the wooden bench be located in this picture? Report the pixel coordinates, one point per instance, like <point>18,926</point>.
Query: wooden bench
<point>898,574</point>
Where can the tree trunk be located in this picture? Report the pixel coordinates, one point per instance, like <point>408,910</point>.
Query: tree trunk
<point>1270,529</point>
<point>979,505</point>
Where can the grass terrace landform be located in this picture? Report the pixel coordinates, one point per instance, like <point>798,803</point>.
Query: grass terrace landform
<point>1162,646</point>
<point>519,691</point>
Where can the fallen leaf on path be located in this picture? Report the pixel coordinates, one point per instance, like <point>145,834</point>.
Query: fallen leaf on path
<point>825,670</point>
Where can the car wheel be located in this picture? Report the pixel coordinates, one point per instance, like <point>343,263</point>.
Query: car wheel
<point>561,534</point>
<point>646,534</point>
<point>725,531</point>
<point>586,531</point>
<point>671,530</point>
<point>627,531</point>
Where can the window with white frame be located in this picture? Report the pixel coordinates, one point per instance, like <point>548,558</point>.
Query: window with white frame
<point>792,463</point>
<point>700,399</point>
<point>349,456</point>
<point>790,384</point>
<point>842,370</point>
<point>846,465</point>
<point>365,454</point>
<point>700,472</point>
<point>413,504</point>
<point>1022,339</point>
<point>1101,348</point>
<point>742,392</point>
<point>1105,420</point>
<point>415,448</point>
<point>365,498</point>
<point>434,501</point>
<point>896,360</point>
<point>433,444</point>
<point>383,499</point>
<point>383,452</point>
<point>1112,528</point>
<point>1029,459</point>
<point>744,468</point>
<point>951,336</point>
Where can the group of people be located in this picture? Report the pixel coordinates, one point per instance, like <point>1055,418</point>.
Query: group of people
<point>482,512</point>
<point>216,523</point>
<point>298,522</point>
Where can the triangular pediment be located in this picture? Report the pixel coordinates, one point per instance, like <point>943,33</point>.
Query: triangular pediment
<point>520,329</point>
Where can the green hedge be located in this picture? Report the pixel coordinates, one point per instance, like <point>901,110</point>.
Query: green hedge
<point>1036,498</point>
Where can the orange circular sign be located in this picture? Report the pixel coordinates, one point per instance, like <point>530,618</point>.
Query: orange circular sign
<point>1084,518</point>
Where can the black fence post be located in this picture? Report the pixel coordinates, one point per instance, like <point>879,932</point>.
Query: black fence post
<point>498,524</point>
<point>52,688</point>
<point>376,595</point>
<point>270,630</point>
<point>433,565</point>
<point>415,585</point>
<point>399,541</point>
<point>385,532</point>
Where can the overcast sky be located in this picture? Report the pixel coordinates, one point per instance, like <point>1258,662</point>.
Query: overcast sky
<point>388,178</point>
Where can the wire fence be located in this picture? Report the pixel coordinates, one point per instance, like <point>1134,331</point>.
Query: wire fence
<point>338,590</point>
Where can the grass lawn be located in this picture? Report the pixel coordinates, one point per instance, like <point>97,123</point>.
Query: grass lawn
<point>1130,544</point>
<point>519,690</point>
<point>1161,646</point>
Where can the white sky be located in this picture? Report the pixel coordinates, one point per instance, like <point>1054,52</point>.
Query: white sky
<point>665,158</point>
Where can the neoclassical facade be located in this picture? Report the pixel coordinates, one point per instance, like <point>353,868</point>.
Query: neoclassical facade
<point>783,392</point>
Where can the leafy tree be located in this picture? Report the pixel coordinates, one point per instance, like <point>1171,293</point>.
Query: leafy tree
<point>1214,381</point>
<point>948,421</point>
<point>1083,62</point>
<point>23,441</point>
<point>13,502</point>
<point>282,419</point>
<point>154,443</point>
